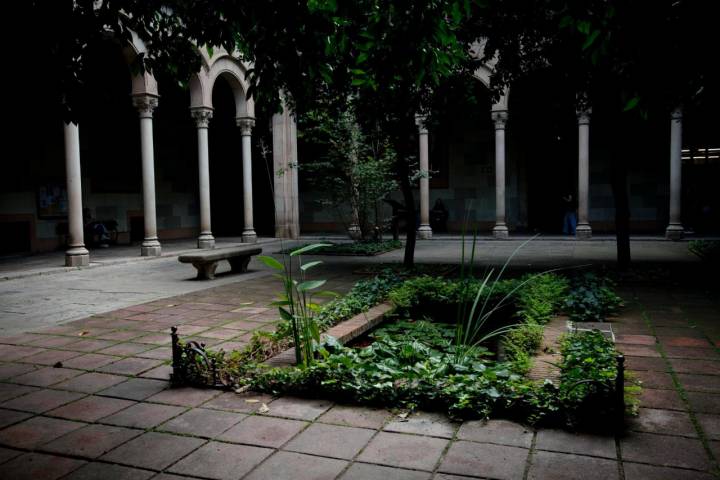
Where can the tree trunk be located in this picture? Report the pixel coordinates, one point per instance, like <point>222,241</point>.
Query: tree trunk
<point>404,174</point>
<point>622,210</point>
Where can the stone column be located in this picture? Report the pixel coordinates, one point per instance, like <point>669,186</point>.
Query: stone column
<point>674,230</point>
<point>77,255</point>
<point>202,116</point>
<point>583,230</point>
<point>246,124</point>
<point>145,104</point>
<point>424,232</point>
<point>284,151</point>
<point>500,230</point>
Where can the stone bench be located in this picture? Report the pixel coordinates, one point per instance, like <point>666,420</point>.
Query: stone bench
<point>206,262</point>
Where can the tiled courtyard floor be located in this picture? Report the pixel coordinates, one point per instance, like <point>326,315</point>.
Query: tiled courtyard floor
<point>90,400</point>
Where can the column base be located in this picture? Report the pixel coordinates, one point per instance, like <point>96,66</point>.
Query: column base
<point>206,241</point>
<point>77,257</point>
<point>500,230</point>
<point>583,232</point>
<point>424,232</point>
<point>674,231</point>
<point>150,248</point>
<point>354,232</point>
<point>249,236</point>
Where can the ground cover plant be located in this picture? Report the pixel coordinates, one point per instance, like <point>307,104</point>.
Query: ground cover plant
<point>417,360</point>
<point>360,248</point>
<point>707,250</point>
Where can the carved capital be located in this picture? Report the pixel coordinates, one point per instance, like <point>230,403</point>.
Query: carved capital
<point>246,125</point>
<point>500,118</point>
<point>145,104</point>
<point>420,122</point>
<point>677,114</point>
<point>202,116</point>
<point>583,116</point>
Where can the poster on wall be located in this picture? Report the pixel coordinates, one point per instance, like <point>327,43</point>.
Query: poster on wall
<point>52,201</point>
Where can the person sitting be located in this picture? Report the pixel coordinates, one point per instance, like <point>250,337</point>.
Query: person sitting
<point>439,216</point>
<point>95,228</point>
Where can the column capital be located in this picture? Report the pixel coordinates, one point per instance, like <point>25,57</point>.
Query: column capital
<point>583,116</point>
<point>420,122</point>
<point>246,125</point>
<point>500,118</point>
<point>202,116</point>
<point>676,114</point>
<point>145,104</point>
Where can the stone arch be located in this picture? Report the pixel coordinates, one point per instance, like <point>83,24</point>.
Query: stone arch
<point>144,83</point>
<point>232,70</point>
<point>483,74</point>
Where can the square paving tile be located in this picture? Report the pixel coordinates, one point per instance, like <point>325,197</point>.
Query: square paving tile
<point>8,453</point>
<point>299,408</point>
<point>502,432</point>
<point>50,357</point>
<point>365,471</point>
<point>160,353</point>
<point>201,422</point>
<point>125,349</point>
<point>710,425</point>
<point>185,396</point>
<point>55,341</point>
<point>636,471</point>
<point>88,345</point>
<point>560,466</point>
<point>331,441</point>
<point>131,366</point>
<point>423,423</point>
<point>298,467</point>
<point>242,403</point>
<point>91,441</point>
<point>406,451</point>
<point>222,461</point>
<point>9,391</point>
<point>665,399</point>
<point>8,417</point>
<point>579,443</point>
<point>36,431</point>
<point>90,409</point>
<point>90,382</point>
<point>669,422</point>
<point>153,450</point>
<point>704,367</point>
<point>496,461</point>
<point>162,372</point>
<point>352,416</point>
<point>704,402</point>
<point>9,370</point>
<point>652,379</point>
<point>664,450</point>
<point>143,415</point>
<point>700,383</point>
<point>263,431</point>
<point>10,353</point>
<point>136,388</point>
<point>46,376</point>
<point>35,466</point>
<point>90,361</point>
<point>109,471</point>
<point>42,400</point>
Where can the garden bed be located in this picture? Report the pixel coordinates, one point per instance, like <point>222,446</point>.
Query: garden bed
<point>415,359</point>
<point>356,249</point>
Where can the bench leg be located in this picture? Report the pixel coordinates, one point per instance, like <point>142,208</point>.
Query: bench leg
<point>205,270</point>
<point>239,264</point>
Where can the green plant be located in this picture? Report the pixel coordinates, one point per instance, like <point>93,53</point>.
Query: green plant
<point>591,298</point>
<point>707,250</point>
<point>295,304</point>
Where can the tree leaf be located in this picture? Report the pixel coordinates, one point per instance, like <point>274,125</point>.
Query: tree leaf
<point>271,262</point>
<point>308,248</point>
<point>310,285</point>
<point>307,266</point>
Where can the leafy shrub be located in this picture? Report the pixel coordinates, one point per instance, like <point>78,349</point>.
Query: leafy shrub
<point>591,298</point>
<point>707,250</point>
<point>362,247</point>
